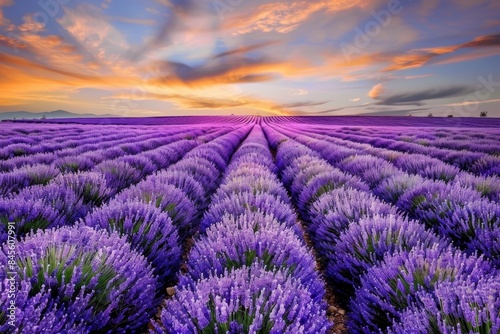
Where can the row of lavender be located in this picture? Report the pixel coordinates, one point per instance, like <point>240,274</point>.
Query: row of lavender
<point>478,156</point>
<point>396,275</point>
<point>249,270</point>
<point>106,274</point>
<point>460,206</point>
<point>41,196</point>
<point>85,155</point>
<point>463,139</point>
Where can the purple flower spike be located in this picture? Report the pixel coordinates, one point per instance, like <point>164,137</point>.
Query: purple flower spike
<point>147,229</point>
<point>254,238</point>
<point>455,307</point>
<point>389,288</point>
<point>364,245</point>
<point>89,186</point>
<point>248,202</point>
<point>250,300</point>
<point>77,279</point>
<point>336,210</point>
<point>167,198</point>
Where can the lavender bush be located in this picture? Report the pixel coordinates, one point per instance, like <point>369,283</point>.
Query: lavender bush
<point>90,187</point>
<point>337,209</point>
<point>78,279</point>
<point>64,201</point>
<point>241,203</point>
<point>365,244</point>
<point>184,181</point>
<point>254,238</point>
<point>245,300</point>
<point>118,174</point>
<point>167,198</point>
<point>388,289</point>
<point>459,306</point>
<point>147,229</point>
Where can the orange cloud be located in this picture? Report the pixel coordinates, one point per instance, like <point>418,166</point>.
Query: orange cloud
<point>284,17</point>
<point>190,101</point>
<point>4,3</point>
<point>376,91</point>
<point>222,73</point>
<point>417,58</point>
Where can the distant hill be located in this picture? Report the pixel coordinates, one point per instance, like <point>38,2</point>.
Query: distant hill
<point>49,114</point>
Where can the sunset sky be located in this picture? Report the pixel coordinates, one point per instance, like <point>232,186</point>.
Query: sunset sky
<point>173,57</point>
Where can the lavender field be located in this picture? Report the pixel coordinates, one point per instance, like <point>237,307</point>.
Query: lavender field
<point>250,225</point>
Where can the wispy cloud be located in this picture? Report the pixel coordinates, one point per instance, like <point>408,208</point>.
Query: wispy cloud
<point>376,91</point>
<point>299,92</point>
<point>283,17</point>
<point>3,20</point>
<point>417,98</point>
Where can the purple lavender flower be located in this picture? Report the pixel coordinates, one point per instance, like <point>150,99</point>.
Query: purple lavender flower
<point>389,288</point>
<point>167,198</point>
<point>118,174</point>
<point>391,189</point>
<point>430,200</point>
<point>130,148</point>
<point>263,184</point>
<point>89,186</point>
<point>241,203</point>
<point>336,210</point>
<point>289,173</point>
<point>201,169</point>
<point>441,172</point>
<point>455,307</point>
<point>254,238</point>
<point>11,182</point>
<point>29,215</point>
<point>162,157</point>
<point>486,242</point>
<point>253,159</point>
<point>211,154</point>
<point>370,169</point>
<point>304,176</point>
<point>486,166</point>
<point>289,151</point>
<point>335,156</point>
<point>184,181</point>
<point>139,162</point>
<point>489,187</point>
<point>74,163</point>
<point>323,183</point>
<point>147,229</point>
<point>76,278</point>
<point>251,298</point>
<point>415,163</point>
<point>364,245</point>
<point>39,173</point>
<point>470,224</point>
<point>63,200</point>
<point>247,170</point>
<point>463,159</point>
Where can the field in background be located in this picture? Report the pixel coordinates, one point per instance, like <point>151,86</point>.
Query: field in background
<point>248,224</point>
